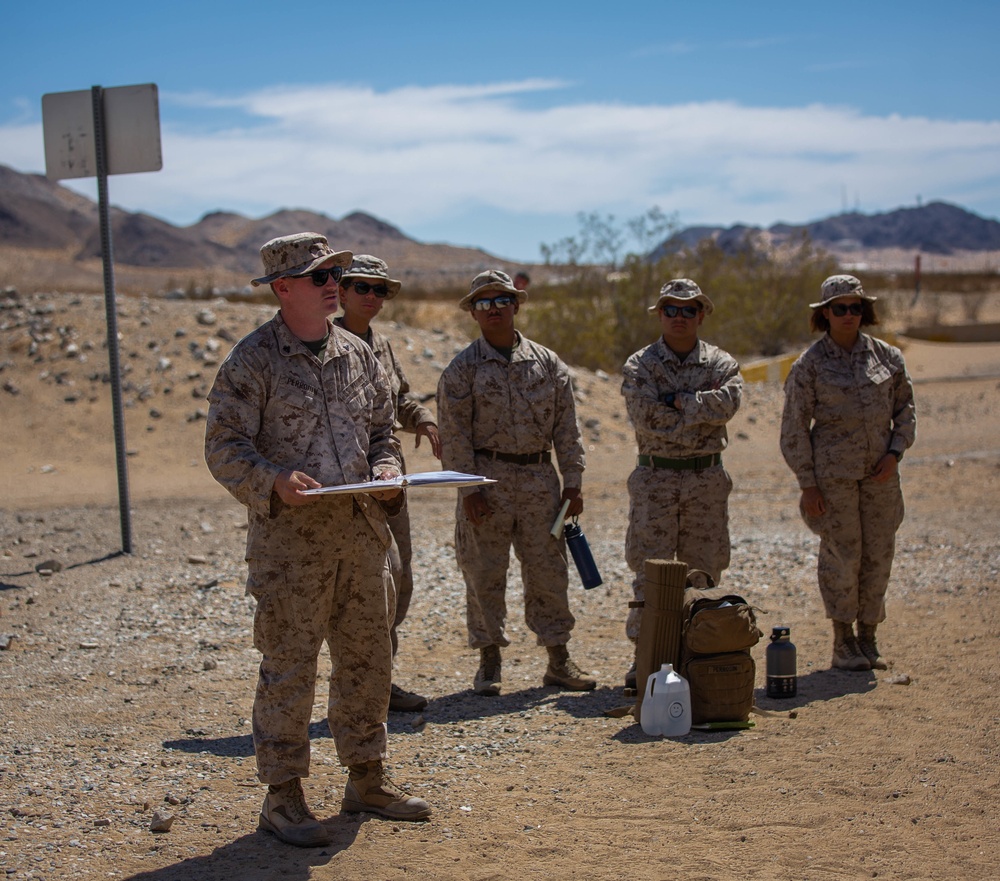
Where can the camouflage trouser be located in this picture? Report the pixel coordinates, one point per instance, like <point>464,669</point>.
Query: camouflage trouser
<point>681,515</point>
<point>857,545</point>
<point>301,604</point>
<point>524,503</point>
<point>401,569</point>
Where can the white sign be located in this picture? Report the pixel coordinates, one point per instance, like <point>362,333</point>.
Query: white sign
<point>131,132</point>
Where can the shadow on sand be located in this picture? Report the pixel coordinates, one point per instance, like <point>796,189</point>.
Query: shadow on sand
<point>261,857</point>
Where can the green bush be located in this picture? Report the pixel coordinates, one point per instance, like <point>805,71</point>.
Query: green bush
<point>596,315</point>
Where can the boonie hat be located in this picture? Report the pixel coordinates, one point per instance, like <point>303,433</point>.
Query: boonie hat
<point>367,266</point>
<point>682,289</point>
<point>296,255</point>
<point>841,286</point>
<point>491,280</point>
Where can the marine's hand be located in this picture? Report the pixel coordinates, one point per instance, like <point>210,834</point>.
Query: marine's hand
<point>812,502</point>
<point>289,485</point>
<point>887,466</point>
<point>575,497</point>
<point>430,431</point>
<point>386,495</point>
<point>476,508</point>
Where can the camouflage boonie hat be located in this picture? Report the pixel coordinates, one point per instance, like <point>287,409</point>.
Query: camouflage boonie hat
<point>491,280</point>
<point>841,286</point>
<point>682,289</point>
<point>296,255</point>
<point>367,266</point>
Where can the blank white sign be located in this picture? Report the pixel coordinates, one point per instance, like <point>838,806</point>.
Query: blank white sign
<point>131,132</point>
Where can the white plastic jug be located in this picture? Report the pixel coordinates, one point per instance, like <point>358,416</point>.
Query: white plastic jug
<point>666,705</point>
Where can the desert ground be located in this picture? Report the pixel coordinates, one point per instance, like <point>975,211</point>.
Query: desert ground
<point>127,679</point>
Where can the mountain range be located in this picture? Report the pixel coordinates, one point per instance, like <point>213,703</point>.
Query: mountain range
<point>40,216</point>
<point>937,228</point>
<point>50,235</point>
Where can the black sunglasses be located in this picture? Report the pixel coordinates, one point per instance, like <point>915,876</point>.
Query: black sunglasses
<point>362,287</point>
<point>841,309</point>
<point>501,302</point>
<point>319,276</point>
<point>670,310</point>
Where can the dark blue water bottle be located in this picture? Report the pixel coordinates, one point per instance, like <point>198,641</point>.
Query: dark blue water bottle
<point>782,680</point>
<point>579,547</point>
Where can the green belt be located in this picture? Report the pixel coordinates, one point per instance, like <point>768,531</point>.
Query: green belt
<point>698,463</point>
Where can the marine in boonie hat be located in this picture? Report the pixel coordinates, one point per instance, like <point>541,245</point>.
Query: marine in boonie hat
<point>367,266</point>
<point>491,280</point>
<point>682,289</point>
<point>841,286</point>
<point>297,254</point>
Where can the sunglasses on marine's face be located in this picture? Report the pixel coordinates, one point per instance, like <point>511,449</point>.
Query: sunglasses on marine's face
<point>320,276</point>
<point>686,311</point>
<point>841,309</point>
<point>363,288</point>
<point>501,302</point>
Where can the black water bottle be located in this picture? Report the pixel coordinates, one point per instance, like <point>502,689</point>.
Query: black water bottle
<point>781,677</point>
<point>579,547</point>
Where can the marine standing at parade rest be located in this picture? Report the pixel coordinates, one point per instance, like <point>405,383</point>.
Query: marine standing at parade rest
<point>849,416</point>
<point>680,393</point>
<point>296,405</point>
<point>504,404</point>
<point>364,288</point>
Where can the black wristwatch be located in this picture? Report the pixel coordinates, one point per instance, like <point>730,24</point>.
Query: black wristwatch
<point>897,454</point>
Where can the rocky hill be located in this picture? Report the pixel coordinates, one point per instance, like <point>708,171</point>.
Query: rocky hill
<point>42,222</point>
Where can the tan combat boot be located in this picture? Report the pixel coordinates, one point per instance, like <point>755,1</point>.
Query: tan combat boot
<point>562,671</point>
<point>487,679</point>
<point>402,701</point>
<point>370,789</point>
<point>847,654</point>
<point>868,646</point>
<point>285,815</point>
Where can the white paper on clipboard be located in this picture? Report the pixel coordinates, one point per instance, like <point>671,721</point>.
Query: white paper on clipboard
<point>440,479</point>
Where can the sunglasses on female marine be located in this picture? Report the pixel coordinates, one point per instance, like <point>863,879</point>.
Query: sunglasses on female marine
<point>841,309</point>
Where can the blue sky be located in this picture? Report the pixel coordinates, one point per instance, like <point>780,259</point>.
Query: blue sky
<point>497,125</point>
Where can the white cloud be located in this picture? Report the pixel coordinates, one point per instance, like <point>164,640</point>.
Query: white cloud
<point>417,156</point>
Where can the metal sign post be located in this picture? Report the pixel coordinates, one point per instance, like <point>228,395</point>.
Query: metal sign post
<point>111,310</point>
<point>102,132</point>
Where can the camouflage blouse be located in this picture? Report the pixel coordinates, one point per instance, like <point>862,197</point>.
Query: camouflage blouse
<point>845,410</point>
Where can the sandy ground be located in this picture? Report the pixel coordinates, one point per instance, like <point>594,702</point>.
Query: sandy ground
<point>127,680</point>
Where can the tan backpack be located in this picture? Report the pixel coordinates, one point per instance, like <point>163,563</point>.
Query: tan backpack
<point>719,628</point>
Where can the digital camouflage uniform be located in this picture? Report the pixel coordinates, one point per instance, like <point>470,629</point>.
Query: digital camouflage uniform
<point>523,406</point>
<point>410,414</point>
<point>682,514</point>
<point>843,412</point>
<point>316,571</point>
